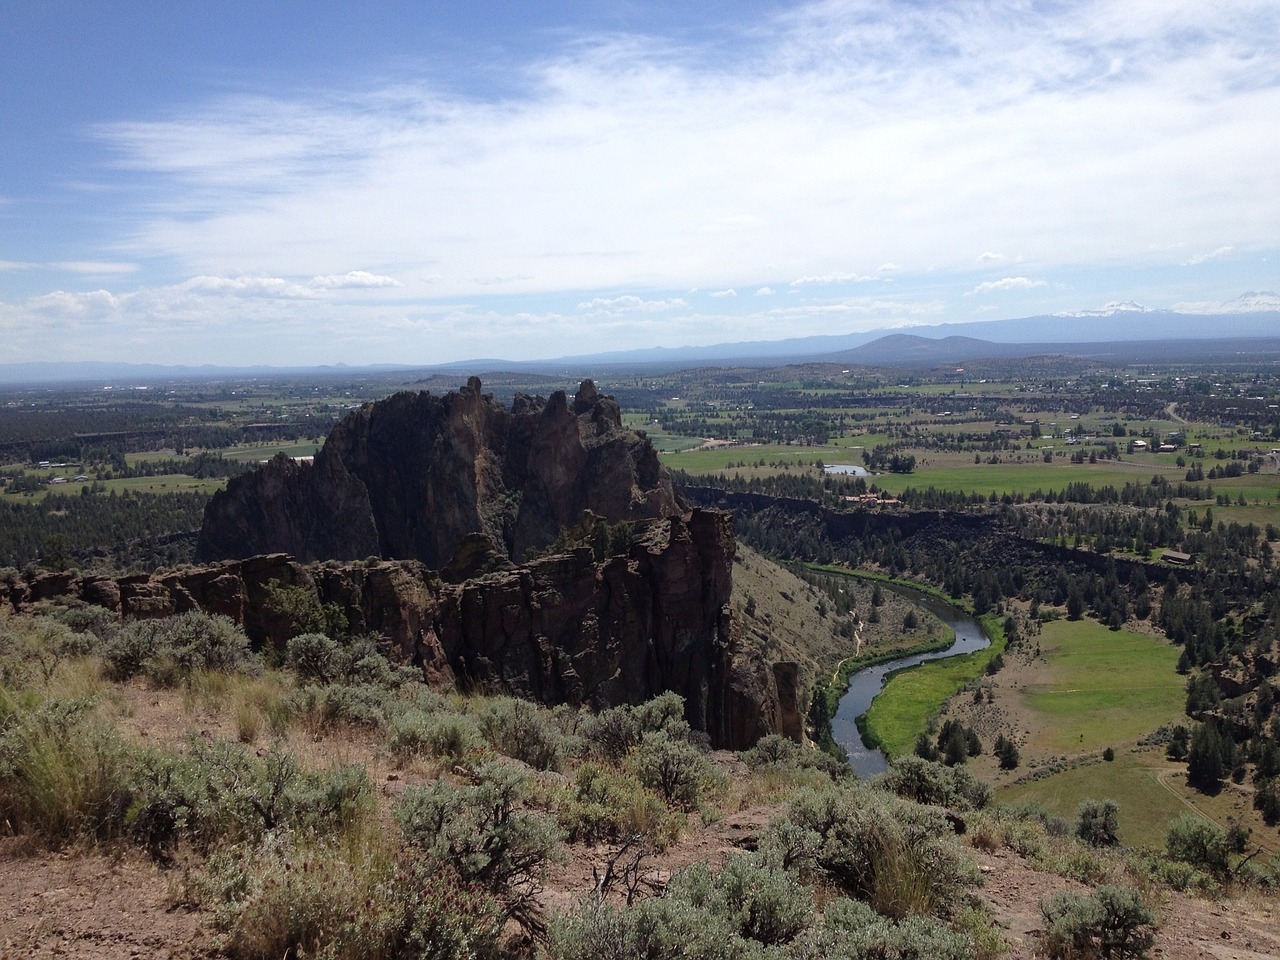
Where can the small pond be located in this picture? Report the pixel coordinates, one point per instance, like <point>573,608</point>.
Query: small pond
<point>845,470</point>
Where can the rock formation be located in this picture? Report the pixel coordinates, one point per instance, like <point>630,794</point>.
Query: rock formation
<point>568,627</point>
<point>411,476</point>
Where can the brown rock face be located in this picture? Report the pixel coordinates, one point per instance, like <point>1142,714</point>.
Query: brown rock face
<point>565,628</point>
<point>409,477</point>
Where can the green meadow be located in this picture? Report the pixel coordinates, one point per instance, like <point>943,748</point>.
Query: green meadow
<point>1105,687</point>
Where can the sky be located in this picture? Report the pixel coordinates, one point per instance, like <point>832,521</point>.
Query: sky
<point>392,182</point>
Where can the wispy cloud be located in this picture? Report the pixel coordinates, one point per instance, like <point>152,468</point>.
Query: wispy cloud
<point>97,267</point>
<point>877,111</point>
<point>730,292</point>
<point>859,141</point>
<point>628,304</point>
<point>1252,302</point>
<point>828,279</point>
<point>1006,283</point>
<point>353,280</point>
<point>1200,258</point>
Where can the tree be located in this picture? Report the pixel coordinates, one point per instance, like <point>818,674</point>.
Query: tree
<point>1098,823</point>
<point>1007,751</point>
<point>1206,765</point>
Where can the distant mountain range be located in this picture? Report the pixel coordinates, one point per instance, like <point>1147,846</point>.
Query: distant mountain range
<point>1119,333</point>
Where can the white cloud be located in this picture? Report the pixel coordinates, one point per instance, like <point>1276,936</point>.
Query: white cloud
<point>273,287</point>
<point>1110,309</point>
<point>730,292</point>
<point>907,134</point>
<point>1251,302</point>
<point>16,265</point>
<point>353,280</point>
<point>1200,258</point>
<point>852,137</point>
<point>830,278</point>
<point>96,266</point>
<point>628,304</point>
<point>1006,283</point>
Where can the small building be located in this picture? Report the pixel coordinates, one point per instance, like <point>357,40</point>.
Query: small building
<point>1176,556</point>
<point>1139,444</point>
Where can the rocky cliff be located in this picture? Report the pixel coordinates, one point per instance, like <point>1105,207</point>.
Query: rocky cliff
<point>570,627</point>
<point>409,477</point>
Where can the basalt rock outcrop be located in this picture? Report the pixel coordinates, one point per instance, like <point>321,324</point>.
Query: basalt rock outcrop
<point>411,476</point>
<point>568,627</point>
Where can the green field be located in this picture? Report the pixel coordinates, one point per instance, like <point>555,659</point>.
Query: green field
<point>1105,687</point>
<point>265,451</point>
<point>1131,780</point>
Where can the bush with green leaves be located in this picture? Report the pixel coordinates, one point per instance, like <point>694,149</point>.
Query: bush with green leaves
<point>359,661</point>
<point>523,731</point>
<point>169,651</point>
<point>299,607</point>
<point>1098,823</point>
<point>449,736</point>
<point>1113,922</point>
<point>295,895</point>
<point>774,752</point>
<point>606,804</point>
<point>899,856</point>
<point>97,622</point>
<point>483,831</point>
<point>63,775</point>
<point>1200,843</point>
<point>611,734</point>
<point>219,793</point>
<point>340,704</point>
<point>925,781</point>
<point>748,910</point>
<point>851,930</point>
<point>679,771</point>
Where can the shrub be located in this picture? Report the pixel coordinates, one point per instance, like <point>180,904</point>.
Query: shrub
<point>914,778</point>
<point>612,733</point>
<point>447,735</point>
<point>484,834</point>
<point>676,769</point>
<point>899,856</point>
<point>851,930</point>
<point>62,776</point>
<point>1097,823</point>
<point>1199,843</point>
<point>1114,922</point>
<point>772,751</point>
<point>171,650</point>
<point>612,805</point>
<point>340,703</point>
<point>313,656</point>
<point>738,913</point>
<point>293,896</point>
<point>521,730</point>
<point>220,793</point>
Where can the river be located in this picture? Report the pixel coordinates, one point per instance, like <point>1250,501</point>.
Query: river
<point>866,683</point>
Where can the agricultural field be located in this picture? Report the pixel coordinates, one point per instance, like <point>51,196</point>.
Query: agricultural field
<point>1068,694</point>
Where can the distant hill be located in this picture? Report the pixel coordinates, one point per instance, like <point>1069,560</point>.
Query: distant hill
<point>910,351</point>
<point>1120,333</point>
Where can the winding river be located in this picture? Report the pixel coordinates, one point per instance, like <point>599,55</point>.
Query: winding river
<point>866,684</point>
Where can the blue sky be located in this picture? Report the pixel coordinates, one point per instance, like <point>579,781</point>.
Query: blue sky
<point>289,182</point>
